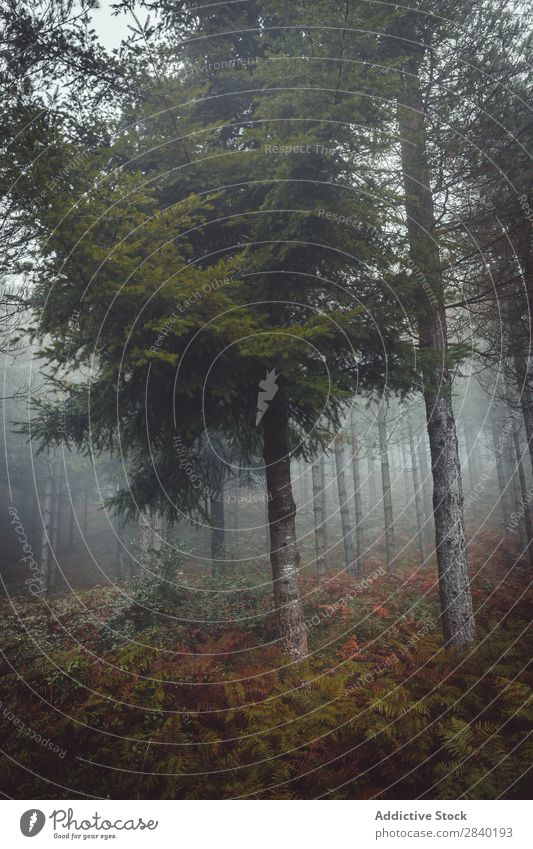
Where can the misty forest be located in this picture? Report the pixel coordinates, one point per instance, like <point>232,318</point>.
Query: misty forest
<point>266,288</point>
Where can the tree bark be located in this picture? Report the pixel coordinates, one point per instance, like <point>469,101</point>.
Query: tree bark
<point>320,545</point>
<point>71,526</point>
<point>267,525</point>
<point>419,500</point>
<point>454,585</point>
<point>35,518</point>
<point>372,488</point>
<point>56,519</point>
<point>119,557</point>
<point>46,531</point>
<point>324,502</point>
<point>401,437</point>
<point>217,534</point>
<point>304,489</point>
<point>503,485</point>
<point>526,401</point>
<point>425,483</point>
<point>514,484</point>
<point>358,500</point>
<point>85,514</point>
<point>390,542</point>
<point>524,506</point>
<point>284,555</point>
<point>235,511</point>
<point>471,456</point>
<point>344,507</point>
<point>145,534</point>
<point>156,521</point>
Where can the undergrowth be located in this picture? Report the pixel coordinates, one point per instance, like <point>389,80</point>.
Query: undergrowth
<point>181,692</point>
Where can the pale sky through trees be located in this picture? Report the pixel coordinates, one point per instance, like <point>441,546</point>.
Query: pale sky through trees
<point>111,29</point>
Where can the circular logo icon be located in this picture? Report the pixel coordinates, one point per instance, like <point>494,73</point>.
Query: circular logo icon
<point>32,822</point>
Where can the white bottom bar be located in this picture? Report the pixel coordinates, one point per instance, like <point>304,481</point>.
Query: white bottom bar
<point>269,825</point>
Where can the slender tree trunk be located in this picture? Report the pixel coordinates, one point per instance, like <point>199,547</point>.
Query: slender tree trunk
<point>119,556</point>
<point>305,481</point>
<point>358,500</point>
<point>284,555</point>
<point>267,525</point>
<point>390,542</point>
<point>217,535</point>
<point>71,527</point>
<point>526,400</point>
<point>425,483</point>
<point>372,488</point>
<point>56,520</point>
<point>119,551</point>
<point>304,489</point>
<point>405,466</point>
<point>419,501</point>
<point>156,521</point>
<point>145,534</point>
<point>471,456</point>
<point>524,499</point>
<point>344,507</point>
<point>46,530</point>
<point>320,545</point>
<point>454,584</point>
<point>517,498</point>
<point>85,513</point>
<point>237,494</point>
<point>323,499</point>
<point>35,518</point>
<point>502,483</point>
<point>133,557</point>
<point>514,485</point>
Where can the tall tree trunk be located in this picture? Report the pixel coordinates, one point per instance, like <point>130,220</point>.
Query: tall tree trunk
<point>514,485</point>
<point>35,518</point>
<point>425,483</point>
<point>120,560</point>
<point>390,542</point>
<point>323,499</point>
<point>503,486</point>
<point>454,584</point>
<point>372,487</point>
<point>47,529</point>
<point>405,466</point>
<point>526,400</point>
<point>304,488</point>
<point>419,500</point>
<point>133,558</point>
<point>344,507</point>
<point>235,511</point>
<point>56,520</point>
<point>119,556</point>
<point>71,526</point>
<point>358,499</point>
<point>524,499</point>
<point>85,513</point>
<point>471,455</point>
<point>217,535</point>
<point>284,555</point>
<point>145,534</point>
<point>320,545</point>
<point>156,521</point>
<point>267,525</point>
